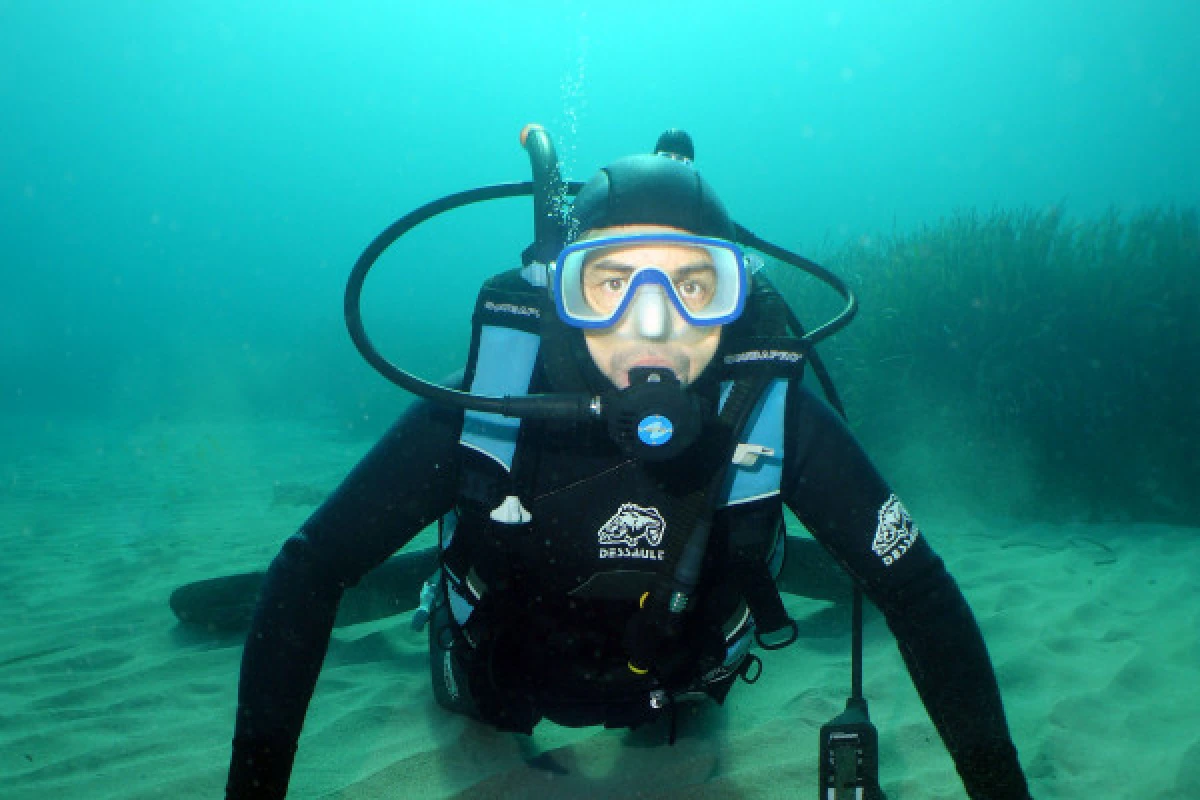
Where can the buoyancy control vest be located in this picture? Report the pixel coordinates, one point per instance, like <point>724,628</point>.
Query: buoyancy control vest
<point>557,535</point>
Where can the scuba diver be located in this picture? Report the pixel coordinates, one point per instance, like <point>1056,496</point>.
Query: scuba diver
<point>609,476</point>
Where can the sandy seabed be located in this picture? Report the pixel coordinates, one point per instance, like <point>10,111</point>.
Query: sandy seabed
<point>1093,630</point>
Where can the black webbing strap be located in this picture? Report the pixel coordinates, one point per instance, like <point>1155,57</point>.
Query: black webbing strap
<point>656,623</point>
<point>757,586</point>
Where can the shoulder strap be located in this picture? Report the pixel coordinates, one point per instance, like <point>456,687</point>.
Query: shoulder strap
<point>756,470</point>
<point>504,347</point>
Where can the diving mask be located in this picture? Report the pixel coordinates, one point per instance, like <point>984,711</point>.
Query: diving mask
<point>594,281</point>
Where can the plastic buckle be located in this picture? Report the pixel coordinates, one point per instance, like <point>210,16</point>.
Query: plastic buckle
<point>747,455</point>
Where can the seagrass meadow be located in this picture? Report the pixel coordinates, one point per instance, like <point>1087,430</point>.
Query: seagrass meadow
<point>1067,345</point>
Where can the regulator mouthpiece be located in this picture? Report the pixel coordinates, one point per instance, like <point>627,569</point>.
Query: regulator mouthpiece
<point>654,419</point>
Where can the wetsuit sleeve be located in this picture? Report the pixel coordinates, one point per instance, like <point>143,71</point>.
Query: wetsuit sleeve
<point>836,492</point>
<point>406,481</point>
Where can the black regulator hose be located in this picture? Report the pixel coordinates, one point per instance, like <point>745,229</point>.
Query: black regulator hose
<point>834,325</point>
<point>825,331</point>
<point>541,406</point>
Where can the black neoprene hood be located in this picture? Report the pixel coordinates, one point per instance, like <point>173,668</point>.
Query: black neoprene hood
<point>652,190</point>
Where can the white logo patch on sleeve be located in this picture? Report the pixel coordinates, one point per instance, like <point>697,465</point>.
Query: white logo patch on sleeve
<point>895,533</point>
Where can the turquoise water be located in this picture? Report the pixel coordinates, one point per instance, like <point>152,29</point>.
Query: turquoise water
<point>184,187</point>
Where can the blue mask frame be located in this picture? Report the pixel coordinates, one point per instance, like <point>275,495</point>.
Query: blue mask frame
<point>731,266</point>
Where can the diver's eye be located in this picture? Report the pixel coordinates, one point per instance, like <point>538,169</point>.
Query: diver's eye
<point>614,284</point>
<point>695,293</point>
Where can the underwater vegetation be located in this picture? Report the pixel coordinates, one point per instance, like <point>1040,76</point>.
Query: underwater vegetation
<point>1076,342</point>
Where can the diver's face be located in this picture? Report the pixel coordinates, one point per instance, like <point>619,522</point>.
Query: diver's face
<point>651,332</point>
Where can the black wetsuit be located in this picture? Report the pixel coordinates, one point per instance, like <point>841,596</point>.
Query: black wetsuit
<point>410,479</point>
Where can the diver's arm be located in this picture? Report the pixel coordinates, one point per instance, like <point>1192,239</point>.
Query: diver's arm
<point>406,481</point>
<point>837,493</point>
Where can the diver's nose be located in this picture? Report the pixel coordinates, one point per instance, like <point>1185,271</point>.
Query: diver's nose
<point>651,317</point>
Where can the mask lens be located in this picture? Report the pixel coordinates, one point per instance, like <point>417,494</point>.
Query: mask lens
<point>594,281</point>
